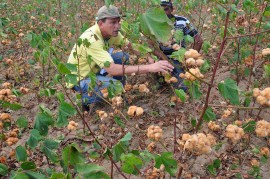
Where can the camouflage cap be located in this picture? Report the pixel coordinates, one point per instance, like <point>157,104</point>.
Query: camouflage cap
<point>107,12</point>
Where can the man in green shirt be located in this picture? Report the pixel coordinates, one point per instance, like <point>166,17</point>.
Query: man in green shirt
<point>92,55</point>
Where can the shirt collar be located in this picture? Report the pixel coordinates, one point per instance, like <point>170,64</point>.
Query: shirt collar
<point>98,32</point>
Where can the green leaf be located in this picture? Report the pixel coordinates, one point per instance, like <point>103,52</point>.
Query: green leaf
<point>108,3</point>
<point>178,35</point>
<point>205,67</point>
<point>248,4</point>
<point>28,165</point>
<point>16,92</point>
<point>107,64</point>
<point>266,26</point>
<point>205,46</point>
<point>12,106</point>
<point>51,144</point>
<point>49,171</point>
<point>189,39</point>
<point>255,150</point>
<point>35,175</point>
<point>166,158</point>
<point>127,137</point>
<point>135,152</point>
<point>71,78</point>
<point>247,101</point>
<point>93,79</point>
<point>234,8</point>
<point>52,155</point>
<point>65,110</point>
<point>90,60</point>
<point>91,171</point>
<point>181,94</point>
<point>229,90</point>
<point>46,36</point>
<point>125,28</point>
<point>63,69</point>
<point>209,115</point>
<point>131,163</point>
<point>34,138</point>
<point>57,78</point>
<point>18,175</point>
<point>195,90</point>
<point>86,43</point>
<point>147,156</point>
<point>115,88</point>
<point>154,22</point>
<point>238,175</point>
<point>96,146</point>
<point>45,110</point>
<point>249,126</point>
<point>217,163</point>
<point>107,152</point>
<point>42,123</point>
<point>246,71</point>
<point>47,92</point>
<point>85,26</point>
<point>143,49</point>
<point>118,150</point>
<point>193,122</point>
<point>79,42</point>
<point>99,175</point>
<point>22,122</point>
<point>3,22</point>
<point>234,167</point>
<point>58,176</point>
<point>211,169</point>
<point>72,156</point>
<point>254,171</point>
<point>94,154</point>
<point>48,149</point>
<point>179,54</point>
<point>266,70</point>
<point>60,96</point>
<point>263,159</point>
<point>119,122</point>
<point>3,169</point>
<point>267,12</point>
<point>21,154</point>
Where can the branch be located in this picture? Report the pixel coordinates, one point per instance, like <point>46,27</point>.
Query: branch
<point>238,107</point>
<point>239,36</point>
<point>214,72</point>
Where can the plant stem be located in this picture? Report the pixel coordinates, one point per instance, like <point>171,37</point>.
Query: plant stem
<point>117,167</point>
<point>238,59</point>
<point>214,72</point>
<point>111,169</point>
<point>174,122</point>
<point>254,52</point>
<point>237,70</point>
<point>253,34</point>
<point>258,114</point>
<point>238,107</point>
<point>163,146</point>
<point>180,172</point>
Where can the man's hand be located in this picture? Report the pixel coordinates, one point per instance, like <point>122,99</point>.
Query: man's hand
<point>161,66</point>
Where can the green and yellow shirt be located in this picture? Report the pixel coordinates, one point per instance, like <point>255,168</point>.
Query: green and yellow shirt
<point>91,56</point>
